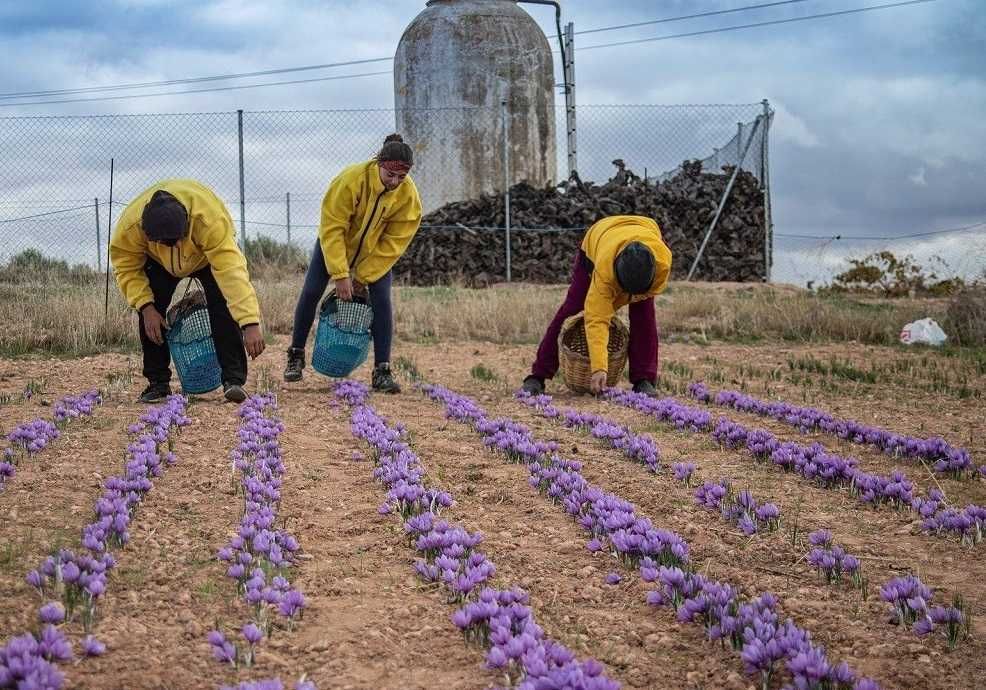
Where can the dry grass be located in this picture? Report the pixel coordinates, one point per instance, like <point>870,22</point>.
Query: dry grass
<point>48,316</point>
<point>787,315</point>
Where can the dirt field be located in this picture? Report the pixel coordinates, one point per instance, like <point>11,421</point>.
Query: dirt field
<point>371,623</point>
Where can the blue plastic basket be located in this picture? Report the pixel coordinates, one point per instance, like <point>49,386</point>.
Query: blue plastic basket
<point>342,340</point>
<point>194,352</point>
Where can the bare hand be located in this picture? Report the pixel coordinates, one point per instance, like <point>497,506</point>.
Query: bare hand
<point>344,289</point>
<point>597,384</point>
<point>253,340</point>
<point>359,288</point>
<point>154,325</point>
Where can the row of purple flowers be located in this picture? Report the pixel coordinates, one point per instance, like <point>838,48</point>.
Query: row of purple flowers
<point>78,580</point>
<point>752,627</point>
<point>943,456</point>
<point>498,619</point>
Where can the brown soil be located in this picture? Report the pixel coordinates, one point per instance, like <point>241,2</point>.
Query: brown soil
<point>371,624</point>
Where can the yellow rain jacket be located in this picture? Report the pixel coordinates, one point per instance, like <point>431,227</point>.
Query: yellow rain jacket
<point>604,240</point>
<point>365,228</point>
<point>211,241</point>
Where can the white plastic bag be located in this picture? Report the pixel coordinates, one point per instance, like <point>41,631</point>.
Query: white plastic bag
<point>923,331</point>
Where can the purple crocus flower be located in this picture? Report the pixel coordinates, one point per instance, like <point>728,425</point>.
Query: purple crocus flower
<point>52,613</point>
<point>92,647</point>
<point>252,634</point>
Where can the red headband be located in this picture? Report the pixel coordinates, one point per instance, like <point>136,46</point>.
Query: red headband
<point>395,166</point>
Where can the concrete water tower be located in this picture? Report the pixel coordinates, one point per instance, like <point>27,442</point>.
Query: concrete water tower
<point>455,64</point>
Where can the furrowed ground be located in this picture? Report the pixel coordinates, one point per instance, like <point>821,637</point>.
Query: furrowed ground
<point>370,622</point>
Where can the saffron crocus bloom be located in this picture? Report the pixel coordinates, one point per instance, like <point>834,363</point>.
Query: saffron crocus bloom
<point>252,634</point>
<point>52,613</point>
<point>53,645</point>
<point>92,647</point>
<point>613,578</point>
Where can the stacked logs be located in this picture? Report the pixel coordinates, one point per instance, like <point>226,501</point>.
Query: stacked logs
<point>464,241</point>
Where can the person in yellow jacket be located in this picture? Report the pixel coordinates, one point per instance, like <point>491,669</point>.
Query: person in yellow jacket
<point>370,214</point>
<point>622,260</point>
<point>176,229</point>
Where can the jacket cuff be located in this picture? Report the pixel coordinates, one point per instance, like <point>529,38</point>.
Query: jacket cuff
<point>247,325</point>
<point>339,276</point>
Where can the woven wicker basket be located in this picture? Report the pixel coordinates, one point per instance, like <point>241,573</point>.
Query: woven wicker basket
<point>573,353</point>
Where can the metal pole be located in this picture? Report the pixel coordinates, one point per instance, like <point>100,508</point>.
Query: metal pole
<point>109,237</point>
<point>99,239</point>
<point>506,180</point>
<point>287,208</point>
<point>739,139</point>
<point>722,201</point>
<point>768,221</point>
<point>239,129</point>
<point>568,72</point>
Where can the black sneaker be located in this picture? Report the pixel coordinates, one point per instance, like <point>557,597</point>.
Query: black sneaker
<point>383,381</point>
<point>296,362</point>
<point>233,392</point>
<point>645,387</point>
<point>155,393</point>
<point>533,385</point>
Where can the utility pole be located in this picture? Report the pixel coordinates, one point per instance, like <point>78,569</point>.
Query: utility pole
<point>568,73</point>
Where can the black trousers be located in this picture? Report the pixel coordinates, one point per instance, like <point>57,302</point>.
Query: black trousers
<point>225,331</point>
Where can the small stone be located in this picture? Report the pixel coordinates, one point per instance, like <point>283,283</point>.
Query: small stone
<point>882,649</point>
<point>655,641</point>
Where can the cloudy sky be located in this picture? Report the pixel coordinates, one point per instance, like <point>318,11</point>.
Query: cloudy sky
<point>880,127</point>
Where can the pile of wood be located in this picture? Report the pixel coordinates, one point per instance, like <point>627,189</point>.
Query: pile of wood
<point>464,241</point>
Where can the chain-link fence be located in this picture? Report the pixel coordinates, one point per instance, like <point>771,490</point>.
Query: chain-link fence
<point>811,261</point>
<point>273,167</point>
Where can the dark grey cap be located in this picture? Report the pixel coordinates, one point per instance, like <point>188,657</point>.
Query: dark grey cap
<point>164,218</point>
<point>635,268</point>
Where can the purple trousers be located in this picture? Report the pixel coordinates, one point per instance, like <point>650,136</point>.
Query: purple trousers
<point>643,329</point>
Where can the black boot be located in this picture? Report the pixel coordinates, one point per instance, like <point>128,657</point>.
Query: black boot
<point>296,362</point>
<point>533,385</point>
<point>155,393</point>
<point>646,387</point>
<point>383,380</point>
<point>233,392</point>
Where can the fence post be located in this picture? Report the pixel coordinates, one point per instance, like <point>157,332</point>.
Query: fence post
<point>739,140</point>
<point>768,221</point>
<point>287,209</point>
<point>239,130</point>
<point>725,196</point>
<point>109,238</point>
<point>99,242</point>
<point>506,180</point>
<point>568,74</point>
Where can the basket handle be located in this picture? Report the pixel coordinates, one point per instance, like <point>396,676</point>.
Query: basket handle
<point>329,304</point>
<point>188,287</point>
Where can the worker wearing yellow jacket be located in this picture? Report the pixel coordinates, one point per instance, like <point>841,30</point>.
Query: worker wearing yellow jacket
<point>370,214</point>
<point>622,260</point>
<point>173,230</point>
